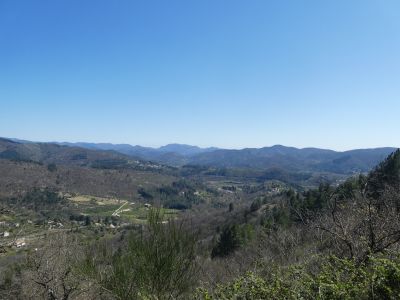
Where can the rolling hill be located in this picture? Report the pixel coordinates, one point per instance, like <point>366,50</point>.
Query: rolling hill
<point>50,153</point>
<point>275,157</point>
<point>24,166</point>
<point>294,159</point>
<point>305,167</point>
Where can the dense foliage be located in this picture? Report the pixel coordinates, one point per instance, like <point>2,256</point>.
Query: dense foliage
<point>334,279</point>
<point>158,262</point>
<point>231,238</point>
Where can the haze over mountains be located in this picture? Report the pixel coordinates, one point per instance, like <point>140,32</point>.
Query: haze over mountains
<point>275,157</point>
<point>173,154</point>
<point>278,156</point>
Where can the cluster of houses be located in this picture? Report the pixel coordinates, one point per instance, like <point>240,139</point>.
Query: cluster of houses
<point>18,243</point>
<point>9,239</point>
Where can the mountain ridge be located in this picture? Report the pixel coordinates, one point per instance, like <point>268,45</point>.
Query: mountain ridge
<point>292,159</point>
<point>203,149</point>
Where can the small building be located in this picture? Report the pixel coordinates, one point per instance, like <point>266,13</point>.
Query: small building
<point>20,243</point>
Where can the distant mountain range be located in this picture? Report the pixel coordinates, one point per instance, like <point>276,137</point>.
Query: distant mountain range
<point>172,154</point>
<point>268,158</point>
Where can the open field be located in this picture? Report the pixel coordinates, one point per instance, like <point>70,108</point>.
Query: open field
<point>114,207</point>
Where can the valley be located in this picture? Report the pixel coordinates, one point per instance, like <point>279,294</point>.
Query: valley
<point>232,217</point>
<point>199,150</point>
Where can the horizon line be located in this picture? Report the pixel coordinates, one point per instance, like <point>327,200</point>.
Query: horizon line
<point>201,147</point>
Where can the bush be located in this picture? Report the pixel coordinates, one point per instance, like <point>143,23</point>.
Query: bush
<point>334,279</point>
<point>157,263</point>
<point>52,167</point>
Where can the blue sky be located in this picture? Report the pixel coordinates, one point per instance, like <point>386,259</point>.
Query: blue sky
<point>230,74</point>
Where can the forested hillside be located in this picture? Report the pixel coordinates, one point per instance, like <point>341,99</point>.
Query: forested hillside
<point>198,237</point>
<point>303,167</point>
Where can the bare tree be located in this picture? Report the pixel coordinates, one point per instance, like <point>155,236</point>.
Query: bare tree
<point>364,224</point>
<point>51,270</point>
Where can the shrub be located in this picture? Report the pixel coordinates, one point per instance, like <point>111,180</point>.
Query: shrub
<point>334,279</point>
<point>157,263</point>
<point>52,167</point>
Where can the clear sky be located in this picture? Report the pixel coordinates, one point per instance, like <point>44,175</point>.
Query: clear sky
<point>210,73</point>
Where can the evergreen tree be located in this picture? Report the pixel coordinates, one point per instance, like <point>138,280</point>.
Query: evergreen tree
<point>229,240</point>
